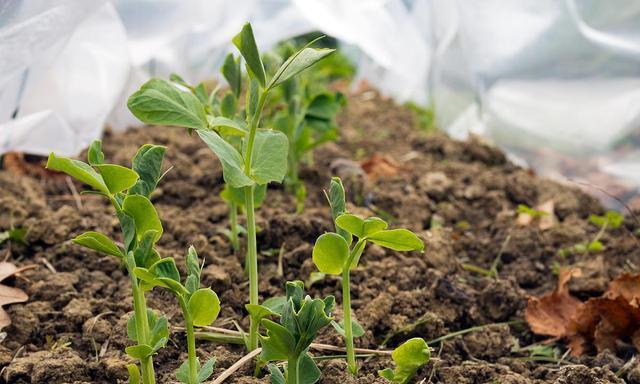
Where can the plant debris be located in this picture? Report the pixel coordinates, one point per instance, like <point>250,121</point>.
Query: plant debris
<point>10,295</point>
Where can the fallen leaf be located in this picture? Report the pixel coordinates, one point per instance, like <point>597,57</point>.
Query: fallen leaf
<point>551,314</point>
<point>379,167</point>
<point>626,286</point>
<point>10,295</point>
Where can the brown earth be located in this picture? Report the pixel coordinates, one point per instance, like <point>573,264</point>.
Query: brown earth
<point>460,197</point>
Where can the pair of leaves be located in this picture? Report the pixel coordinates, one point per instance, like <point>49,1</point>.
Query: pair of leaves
<point>331,251</point>
<point>268,162</point>
<point>204,371</point>
<point>159,335</point>
<point>408,357</point>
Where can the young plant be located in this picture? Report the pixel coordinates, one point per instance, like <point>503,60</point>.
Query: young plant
<point>408,357</point>
<point>128,190</point>
<point>200,307</point>
<point>301,318</point>
<point>335,253</point>
<point>261,157</point>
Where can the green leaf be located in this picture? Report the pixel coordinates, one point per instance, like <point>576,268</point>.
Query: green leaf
<point>232,73</point>
<point>144,254</point>
<point>228,126</point>
<point>78,170</point>
<point>232,163</point>
<point>356,328</point>
<point>330,253</point>
<point>338,204</point>
<point>144,215</point>
<point>386,373</point>
<point>148,164</point>
<point>99,242</point>
<point>128,230</point>
<point>595,246</point>
<point>159,329</point>
<point>276,375</point>
<point>159,102</point>
<point>139,351</point>
<point>246,44</point>
<point>116,177</point>
<point>207,370</point>
<point>612,219</point>
<point>258,312</point>
<point>360,227</point>
<point>182,373</point>
<point>236,195</point>
<point>323,106</point>
<point>398,240</point>
<point>279,344</point>
<point>165,268</point>
<point>408,357</point>
<point>204,307</point>
<point>228,105</point>
<point>275,304</point>
<point>297,63</point>
<point>269,160</point>
<point>152,319</point>
<point>308,371</point>
<point>134,374</point>
<point>193,268</point>
<point>94,154</point>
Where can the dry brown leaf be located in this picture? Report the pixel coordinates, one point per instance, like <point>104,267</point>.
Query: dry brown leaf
<point>626,286</point>
<point>551,314</point>
<point>10,295</point>
<point>379,167</point>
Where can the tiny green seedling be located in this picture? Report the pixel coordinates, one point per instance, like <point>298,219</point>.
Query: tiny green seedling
<point>408,357</point>
<point>534,213</point>
<point>335,253</point>
<point>251,156</point>
<point>200,307</point>
<point>301,318</point>
<point>610,220</point>
<point>128,189</point>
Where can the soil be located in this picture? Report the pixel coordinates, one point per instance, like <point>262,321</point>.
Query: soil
<point>460,197</point>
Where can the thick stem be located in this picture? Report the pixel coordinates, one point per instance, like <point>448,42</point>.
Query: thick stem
<point>142,327</point>
<point>191,342</point>
<point>348,329</point>
<point>292,370</point>
<point>233,219</point>
<point>252,263</point>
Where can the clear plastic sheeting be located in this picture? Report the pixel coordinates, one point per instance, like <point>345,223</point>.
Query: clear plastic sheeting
<point>556,83</point>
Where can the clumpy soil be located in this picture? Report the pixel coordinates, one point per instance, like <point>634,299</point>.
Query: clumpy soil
<point>460,197</point>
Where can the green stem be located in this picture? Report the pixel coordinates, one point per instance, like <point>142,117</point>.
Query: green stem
<point>233,219</point>
<point>252,264</point>
<point>346,306</point>
<point>292,370</point>
<point>142,326</point>
<point>191,341</point>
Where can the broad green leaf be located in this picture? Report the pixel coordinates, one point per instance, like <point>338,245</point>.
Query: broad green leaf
<point>386,373</point>
<point>276,375</point>
<point>144,254</point>
<point>131,324</point>
<point>232,164</point>
<point>174,77</point>
<point>99,242</point>
<point>246,44</point>
<point>612,219</point>
<point>236,195</point>
<point>228,105</point>
<point>144,215</point>
<point>128,229</point>
<point>323,106</point>
<point>206,370</point>
<point>269,160</point>
<point>165,268</point>
<point>159,102</point>
<point>275,304</point>
<point>252,97</point>
<point>259,312</point>
<point>312,316</point>
<point>356,328</point>
<point>228,126</point>
<point>398,240</point>
<point>182,373</point>
<point>139,351</point>
<point>159,329</point>
<point>308,371</point>
<point>297,63</point>
<point>232,73</point>
<point>330,253</point>
<point>408,357</point>
<point>116,177</point>
<point>204,307</point>
<point>338,204</point>
<point>279,344</point>
<point>78,170</point>
<point>94,153</point>
<point>362,228</point>
<point>148,164</point>
<point>595,246</point>
<point>134,374</point>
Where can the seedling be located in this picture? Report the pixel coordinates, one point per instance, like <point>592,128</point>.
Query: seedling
<point>301,318</point>
<point>200,307</point>
<point>408,357</point>
<point>128,190</point>
<point>610,220</point>
<point>262,157</point>
<point>335,253</point>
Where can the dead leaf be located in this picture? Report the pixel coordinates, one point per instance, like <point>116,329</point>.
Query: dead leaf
<point>10,295</point>
<point>551,314</point>
<point>379,167</point>
<point>626,286</point>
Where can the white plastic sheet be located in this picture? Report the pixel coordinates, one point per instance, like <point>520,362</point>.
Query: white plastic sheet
<point>546,79</point>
